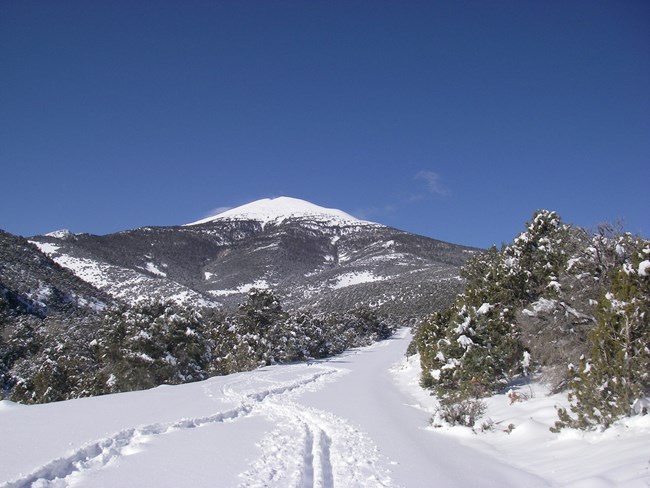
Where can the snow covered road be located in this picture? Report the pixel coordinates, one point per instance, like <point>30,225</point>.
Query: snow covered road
<point>351,421</point>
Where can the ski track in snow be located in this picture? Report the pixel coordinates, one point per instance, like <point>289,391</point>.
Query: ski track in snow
<point>63,471</point>
<point>329,450</point>
<point>309,448</point>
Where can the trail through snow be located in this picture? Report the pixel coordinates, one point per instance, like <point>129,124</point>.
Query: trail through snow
<point>346,422</point>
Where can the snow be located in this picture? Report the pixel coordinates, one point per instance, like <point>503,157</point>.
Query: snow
<point>543,305</point>
<point>555,285</point>
<point>123,283</point>
<point>615,457</point>
<point>282,208</point>
<point>484,308</point>
<point>223,293</point>
<point>355,278</point>
<point>644,268</point>
<point>60,234</point>
<point>46,247</point>
<point>41,294</point>
<point>152,268</point>
<point>273,245</point>
<point>357,420</point>
<point>245,288</point>
<point>572,262</point>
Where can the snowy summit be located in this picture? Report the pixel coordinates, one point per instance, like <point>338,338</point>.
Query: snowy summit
<point>280,209</point>
<point>60,234</point>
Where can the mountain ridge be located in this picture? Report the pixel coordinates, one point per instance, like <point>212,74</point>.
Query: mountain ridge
<point>311,256</point>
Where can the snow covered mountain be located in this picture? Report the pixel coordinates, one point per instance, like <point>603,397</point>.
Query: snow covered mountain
<point>280,209</point>
<point>309,255</point>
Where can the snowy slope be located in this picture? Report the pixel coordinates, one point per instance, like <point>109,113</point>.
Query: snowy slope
<point>32,284</point>
<point>284,208</point>
<point>358,420</point>
<point>123,283</point>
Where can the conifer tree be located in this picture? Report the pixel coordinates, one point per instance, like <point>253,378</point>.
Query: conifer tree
<point>149,344</point>
<point>616,374</point>
<point>473,347</point>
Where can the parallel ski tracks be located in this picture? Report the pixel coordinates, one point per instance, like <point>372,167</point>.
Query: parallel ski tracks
<point>309,448</point>
<point>313,448</point>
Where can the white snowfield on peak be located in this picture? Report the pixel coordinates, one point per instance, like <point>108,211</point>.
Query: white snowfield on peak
<point>283,208</point>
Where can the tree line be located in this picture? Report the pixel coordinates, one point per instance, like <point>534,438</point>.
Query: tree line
<point>133,347</point>
<point>565,305</point>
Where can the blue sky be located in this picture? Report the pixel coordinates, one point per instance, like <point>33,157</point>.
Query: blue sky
<point>451,119</point>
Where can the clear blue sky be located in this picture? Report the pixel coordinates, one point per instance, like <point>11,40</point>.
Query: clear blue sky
<point>451,119</point>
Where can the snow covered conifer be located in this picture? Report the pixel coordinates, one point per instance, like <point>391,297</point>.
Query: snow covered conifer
<point>259,323</point>
<point>149,344</point>
<point>539,254</point>
<point>475,346</point>
<point>187,346</point>
<point>469,349</point>
<point>616,373</point>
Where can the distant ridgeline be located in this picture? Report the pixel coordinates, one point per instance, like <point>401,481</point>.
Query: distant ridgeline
<point>559,304</point>
<point>310,256</point>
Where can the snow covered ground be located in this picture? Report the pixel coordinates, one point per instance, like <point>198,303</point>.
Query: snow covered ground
<point>357,420</point>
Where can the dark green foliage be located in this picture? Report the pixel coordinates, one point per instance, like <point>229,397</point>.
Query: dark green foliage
<point>555,327</point>
<point>151,344</point>
<point>52,360</point>
<point>261,333</point>
<point>537,256</point>
<point>562,296</point>
<point>606,384</point>
<point>472,348</point>
<point>260,325</point>
<point>5,364</point>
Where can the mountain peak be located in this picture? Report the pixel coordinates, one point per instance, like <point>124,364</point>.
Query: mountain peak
<point>282,208</point>
<point>60,234</point>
